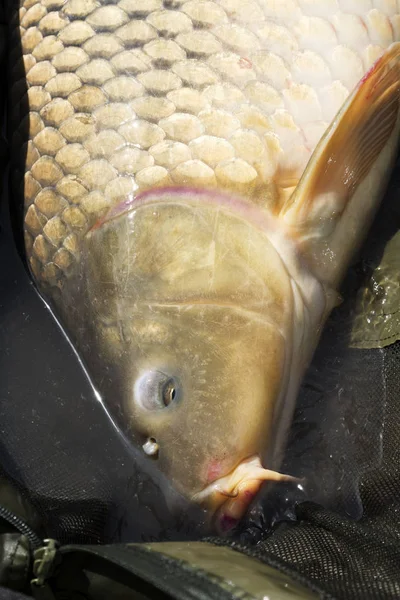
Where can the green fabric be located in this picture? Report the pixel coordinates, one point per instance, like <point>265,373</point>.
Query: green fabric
<point>237,573</point>
<point>372,294</point>
<point>170,571</point>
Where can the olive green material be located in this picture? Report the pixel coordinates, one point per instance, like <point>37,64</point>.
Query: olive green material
<point>376,321</point>
<point>15,561</point>
<point>166,571</point>
<point>15,502</point>
<point>15,549</point>
<point>241,575</point>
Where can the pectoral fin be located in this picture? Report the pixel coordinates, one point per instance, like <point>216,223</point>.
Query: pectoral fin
<point>346,155</point>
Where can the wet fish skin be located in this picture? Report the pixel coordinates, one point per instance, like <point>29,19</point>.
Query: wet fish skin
<point>225,96</point>
<point>124,98</point>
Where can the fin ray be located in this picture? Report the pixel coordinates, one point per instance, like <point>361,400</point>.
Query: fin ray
<point>349,149</point>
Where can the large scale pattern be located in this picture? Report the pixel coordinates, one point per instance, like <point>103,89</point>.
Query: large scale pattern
<point>136,94</point>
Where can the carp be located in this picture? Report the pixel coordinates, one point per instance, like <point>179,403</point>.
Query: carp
<point>197,176</point>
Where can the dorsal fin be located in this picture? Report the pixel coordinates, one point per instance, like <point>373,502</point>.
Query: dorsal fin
<point>344,158</point>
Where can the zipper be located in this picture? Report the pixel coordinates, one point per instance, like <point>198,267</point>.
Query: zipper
<point>21,526</point>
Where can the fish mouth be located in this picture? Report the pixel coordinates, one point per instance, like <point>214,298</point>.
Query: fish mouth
<point>238,205</point>
<point>228,498</point>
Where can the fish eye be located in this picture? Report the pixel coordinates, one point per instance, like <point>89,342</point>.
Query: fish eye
<point>156,390</point>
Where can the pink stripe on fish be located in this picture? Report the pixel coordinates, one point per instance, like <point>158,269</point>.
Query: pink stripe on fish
<point>159,194</point>
<point>243,208</point>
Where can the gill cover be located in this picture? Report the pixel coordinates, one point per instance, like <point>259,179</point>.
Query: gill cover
<point>190,306</point>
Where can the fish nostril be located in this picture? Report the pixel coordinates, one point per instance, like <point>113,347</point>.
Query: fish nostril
<point>151,447</point>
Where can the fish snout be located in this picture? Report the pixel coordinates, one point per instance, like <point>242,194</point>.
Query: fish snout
<point>228,498</point>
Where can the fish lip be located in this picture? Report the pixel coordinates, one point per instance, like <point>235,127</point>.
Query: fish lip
<point>227,499</point>
<point>239,205</point>
<point>215,487</point>
<point>210,487</point>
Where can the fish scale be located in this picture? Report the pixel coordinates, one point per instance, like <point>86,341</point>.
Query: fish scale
<point>129,96</point>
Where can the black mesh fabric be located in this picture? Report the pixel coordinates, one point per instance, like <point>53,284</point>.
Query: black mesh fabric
<point>349,559</point>
<point>9,595</point>
<point>346,440</point>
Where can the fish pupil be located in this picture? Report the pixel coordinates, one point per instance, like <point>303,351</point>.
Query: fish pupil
<point>169,392</point>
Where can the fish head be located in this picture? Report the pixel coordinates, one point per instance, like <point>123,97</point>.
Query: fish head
<point>192,305</point>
